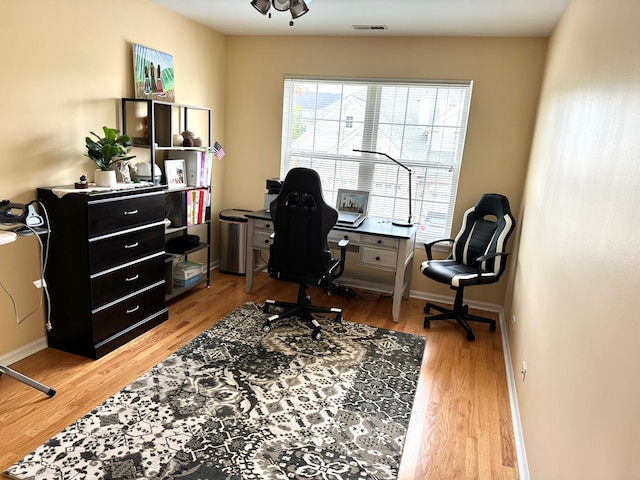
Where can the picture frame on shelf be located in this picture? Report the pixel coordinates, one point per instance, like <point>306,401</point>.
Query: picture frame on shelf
<point>175,173</point>
<point>352,201</point>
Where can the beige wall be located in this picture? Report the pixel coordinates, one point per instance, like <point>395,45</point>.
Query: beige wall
<point>577,276</point>
<point>65,66</point>
<point>507,75</point>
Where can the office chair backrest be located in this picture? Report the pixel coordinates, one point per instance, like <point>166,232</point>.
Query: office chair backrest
<point>486,228</point>
<point>302,220</point>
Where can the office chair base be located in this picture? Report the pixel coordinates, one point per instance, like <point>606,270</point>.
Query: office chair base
<point>460,313</point>
<point>303,309</point>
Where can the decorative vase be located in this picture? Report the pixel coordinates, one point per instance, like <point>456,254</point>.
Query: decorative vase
<point>105,178</point>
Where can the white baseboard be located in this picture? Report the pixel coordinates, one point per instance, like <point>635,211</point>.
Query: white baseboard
<point>24,351</point>
<point>518,436</point>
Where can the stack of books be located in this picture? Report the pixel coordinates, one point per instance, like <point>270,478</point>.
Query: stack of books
<point>198,201</point>
<point>198,166</point>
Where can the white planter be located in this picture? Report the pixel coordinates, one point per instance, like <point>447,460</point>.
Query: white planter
<point>105,178</point>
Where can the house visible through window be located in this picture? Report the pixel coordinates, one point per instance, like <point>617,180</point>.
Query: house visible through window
<point>419,123</point>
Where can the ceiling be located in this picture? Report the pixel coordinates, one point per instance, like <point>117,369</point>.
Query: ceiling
<point>401,17</point>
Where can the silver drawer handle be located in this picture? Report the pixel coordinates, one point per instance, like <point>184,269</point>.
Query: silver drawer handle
<point>133,245</point>
<point>133,309</point>
<point>131,212</point>
<point>131,279</point>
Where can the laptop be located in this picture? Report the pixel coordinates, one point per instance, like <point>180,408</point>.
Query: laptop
<point>350,219</point>
<point>352,207</point>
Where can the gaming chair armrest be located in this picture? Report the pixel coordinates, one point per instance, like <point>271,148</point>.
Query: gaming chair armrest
<point>342,244</point>
<point>484,258</point>
<point>427,246</point>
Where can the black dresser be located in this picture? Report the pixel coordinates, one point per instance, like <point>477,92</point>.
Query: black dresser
<point>106,265</point>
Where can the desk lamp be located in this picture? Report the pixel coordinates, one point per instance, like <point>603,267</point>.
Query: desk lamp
<point>399,223</point>
<point>8,237</point>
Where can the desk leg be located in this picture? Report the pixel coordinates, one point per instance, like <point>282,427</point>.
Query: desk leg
<point>249,257</point>
<point>402,282</point>
<point>398,288</point>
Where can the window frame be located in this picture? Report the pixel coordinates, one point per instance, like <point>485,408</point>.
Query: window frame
<point>344,168</point>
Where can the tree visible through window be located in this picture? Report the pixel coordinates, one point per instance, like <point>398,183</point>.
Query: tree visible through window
<point>420,124</point>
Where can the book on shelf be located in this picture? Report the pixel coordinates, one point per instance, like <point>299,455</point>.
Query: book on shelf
<point>198,200</point>
<point>198,166</point>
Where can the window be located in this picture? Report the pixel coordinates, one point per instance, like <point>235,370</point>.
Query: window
<point>420,124</point>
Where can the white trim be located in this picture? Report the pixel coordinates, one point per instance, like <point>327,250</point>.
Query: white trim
<point>518,434</point>
<point>24,351</point>
<point>516,423</point>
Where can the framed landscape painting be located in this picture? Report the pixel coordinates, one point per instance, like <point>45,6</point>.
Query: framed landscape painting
<point>153,74</point>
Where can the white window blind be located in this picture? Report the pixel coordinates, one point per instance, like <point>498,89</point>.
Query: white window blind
<point>421,124</point>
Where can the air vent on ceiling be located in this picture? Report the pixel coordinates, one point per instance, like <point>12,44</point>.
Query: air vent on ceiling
<point>369,27</point>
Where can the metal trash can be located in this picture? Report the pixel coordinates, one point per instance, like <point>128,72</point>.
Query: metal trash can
<point>233,241</point>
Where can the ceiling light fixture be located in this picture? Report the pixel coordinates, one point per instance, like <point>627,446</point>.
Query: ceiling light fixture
<point>297,8</point>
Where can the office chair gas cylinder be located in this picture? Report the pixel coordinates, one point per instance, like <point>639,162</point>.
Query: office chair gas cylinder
<point>477,257</point>
<point>300,250</point>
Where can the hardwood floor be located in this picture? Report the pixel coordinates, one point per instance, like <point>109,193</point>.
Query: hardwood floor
<point>460,425</point>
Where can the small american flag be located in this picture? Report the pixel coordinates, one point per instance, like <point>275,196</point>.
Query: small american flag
<point>218,151</point>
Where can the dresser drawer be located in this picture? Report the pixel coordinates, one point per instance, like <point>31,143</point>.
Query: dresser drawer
<point>380,241</point>
<point>336,235</point>
<point>112,215</point>
<point>115,284</point>
<point>115,250</point>
<point>261,239</point>
<point>128,312</point>
<point>378,257</point>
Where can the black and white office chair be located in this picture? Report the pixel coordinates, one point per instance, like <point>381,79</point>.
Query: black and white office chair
<point>478,257</point>
<point>300,250</point>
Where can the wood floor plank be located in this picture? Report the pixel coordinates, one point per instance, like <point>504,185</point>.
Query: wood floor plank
<point>460,425</point>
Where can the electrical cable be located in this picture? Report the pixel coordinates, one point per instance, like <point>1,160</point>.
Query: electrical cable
<point>44,257</point>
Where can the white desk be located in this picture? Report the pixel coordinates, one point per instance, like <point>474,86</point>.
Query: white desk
<point>380,244</point>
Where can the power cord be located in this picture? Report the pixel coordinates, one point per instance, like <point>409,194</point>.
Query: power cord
<point>44,258</point>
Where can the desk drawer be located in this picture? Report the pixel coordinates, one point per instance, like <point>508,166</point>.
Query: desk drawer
<point>110,252</point>
<point>263,225</point>
<point>262,239</point>
<point>124,314</point>
<point>380,241</point>
<point>378,258</point>
<point>123,281</point>
<point>336,235</point>
<point>120,214</point>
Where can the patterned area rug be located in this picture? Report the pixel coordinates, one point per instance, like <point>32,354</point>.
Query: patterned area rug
<point>236,403</point>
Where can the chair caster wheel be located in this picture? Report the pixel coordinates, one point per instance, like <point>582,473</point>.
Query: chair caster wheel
<point>427,323</point>
<point>316,334</point>
<point>266,328</point>
<point>470,337</point>
<point>427,309</point>
<point>339,317</point>
<point>492,327</point>
<point>265,308</point>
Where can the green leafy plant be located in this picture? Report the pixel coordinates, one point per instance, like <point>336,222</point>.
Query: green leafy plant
<point>109,150</point>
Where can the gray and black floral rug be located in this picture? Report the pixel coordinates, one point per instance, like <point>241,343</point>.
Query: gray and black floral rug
<point>236,403</point>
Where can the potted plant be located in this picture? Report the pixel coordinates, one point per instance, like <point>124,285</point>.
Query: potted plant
<point>107,152</point>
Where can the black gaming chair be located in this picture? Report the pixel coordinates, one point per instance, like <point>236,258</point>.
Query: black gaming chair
<point>478,257</point>
<point>300,251</point>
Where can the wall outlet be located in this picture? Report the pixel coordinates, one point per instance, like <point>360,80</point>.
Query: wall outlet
<point>523,370</point>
